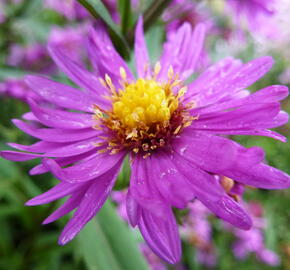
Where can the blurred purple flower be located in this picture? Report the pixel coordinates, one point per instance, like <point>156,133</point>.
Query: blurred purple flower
<point>17,88</point>
<point>71,40</point>
<point>71,9</point>
<point>197,230</point>
<point>34,58</point>
<point>181,11</point>
<point>169,130</point>
<point>252,241</point>
<point>256,15</point>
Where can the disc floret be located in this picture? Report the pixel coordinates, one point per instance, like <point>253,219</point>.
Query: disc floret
<point>145,114</point>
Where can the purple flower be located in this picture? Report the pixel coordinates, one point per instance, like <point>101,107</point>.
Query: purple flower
<point>197,230</point>
<point>71,9</point>
<point>71,40</point>
<point>33,58</point>
<point>17,88</point>
<point>256,14</point>
<point>253,240</point>
<point>170,131</point>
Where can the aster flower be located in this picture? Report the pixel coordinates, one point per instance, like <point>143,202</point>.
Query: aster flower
<point>197,230</point>
<point>169,130</point>
<point>70,39</point>
<point>257,15</point>
<point>71,9</point>
<point>252,241</point>
<point>33,57</point>
<point>17,88</point>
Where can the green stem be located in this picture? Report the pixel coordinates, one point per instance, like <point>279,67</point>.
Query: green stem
<point>150,16</point>
<point>126,16</point>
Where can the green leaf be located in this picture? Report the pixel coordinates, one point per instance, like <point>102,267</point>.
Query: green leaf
<point>122,239</point>
<point>95,248</point>
<point>124,176</point>
<point>11,72</point>
<point>125,10</point>
<point>107,243</point>
<point>99,11</point>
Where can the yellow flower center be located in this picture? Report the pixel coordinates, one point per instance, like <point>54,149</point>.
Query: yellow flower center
<point>144,103</point>
<point>145,114</point>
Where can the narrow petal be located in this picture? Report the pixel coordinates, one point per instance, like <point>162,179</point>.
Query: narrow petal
<point>161,235</point>
<point>182,50</point>
<point>259,115</point>
<point>260,176</point>
<point>142,60</point>
<point>63,161</point>
<point>18,156</point>
<point>71,203</point>
<point>215,154</point>
<point>143,189</point>
<point>37,147</point>
<point>59,149</point>
<point>61,119</point>
<point>133,210</point>
<point>59,191</point>
<point>169,181</point>
<point>92,202</point>
<point>104,56</point>
<point>209,191</point>
<point>80,76</point>
<point>60,94</point>
<point>85,170</point>
<point>55,135</point>
<point>224,157</point>
<point>222,85</point>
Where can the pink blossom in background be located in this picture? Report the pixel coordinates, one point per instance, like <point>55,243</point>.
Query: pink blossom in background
<point>172,131</point>
<point>33,57</point>
<point>256,15</point>
<point>72,40</point>
<point>197,230</point>
<point>71,9</point>
<point>17,88</point>
<point>252,241</point>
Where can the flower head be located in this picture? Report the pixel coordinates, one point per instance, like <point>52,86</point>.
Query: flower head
<point>169,129</point>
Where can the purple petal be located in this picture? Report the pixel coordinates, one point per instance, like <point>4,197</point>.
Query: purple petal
<point>80,76</point>
<point>169,181</point>
<point>38,147</point>
<point>161,234</point>
<point>259,115</point>
<point>61,119</point>
<point>142,60</point>
<point>60,94</point>
<point>215,154</point>
<point>104,56</point>
<point>63,161</point>
<point>85,170</point>
<point>56,135</point>
<point>59,191</point>
<point>260,175</point>
<point>18,156</point>
<point>209,191</point>
<point>71,203</point>
<point>182,50</point>
<point>143,189</point>
<point>253,132</point>
<point>269,94</point>
<point>133,210</point>
<point>58,149</point>
<point>206,90</point>
<point>92,202</point>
